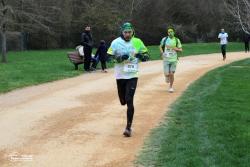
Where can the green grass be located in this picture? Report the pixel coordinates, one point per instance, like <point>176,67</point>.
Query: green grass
<point>209,126</point>
<point>36,67</point>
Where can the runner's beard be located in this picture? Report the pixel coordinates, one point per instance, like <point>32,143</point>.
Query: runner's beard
<point>128,38</point>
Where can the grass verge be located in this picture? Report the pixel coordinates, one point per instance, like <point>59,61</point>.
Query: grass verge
<point>209,125</point>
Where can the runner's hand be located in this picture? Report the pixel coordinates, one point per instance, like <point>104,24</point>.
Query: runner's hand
<point>169,47</point>
<point>176,49</point>
<point>125,57</point>
<point>161,54</point>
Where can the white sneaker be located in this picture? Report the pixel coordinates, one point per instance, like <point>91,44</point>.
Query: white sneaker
<point>171,90</point>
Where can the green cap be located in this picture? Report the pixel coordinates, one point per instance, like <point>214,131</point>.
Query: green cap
<point>127,26</point>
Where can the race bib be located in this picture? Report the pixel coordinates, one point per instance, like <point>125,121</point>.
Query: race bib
<point>169,53</point>
<point>130,67</point>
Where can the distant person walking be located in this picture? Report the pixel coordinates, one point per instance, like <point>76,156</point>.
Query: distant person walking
<point>87,43</point>
<point>101,55</point>
<point>169,47</point>
<point>246,41</point>
<point>223,42</point>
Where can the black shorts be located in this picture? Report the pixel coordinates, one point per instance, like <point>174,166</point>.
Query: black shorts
<point>126,89</point>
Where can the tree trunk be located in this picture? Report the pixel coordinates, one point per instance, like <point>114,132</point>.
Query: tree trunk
<point>4,47</point>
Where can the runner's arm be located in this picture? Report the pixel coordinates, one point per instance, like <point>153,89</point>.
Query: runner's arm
<point>219,36</point>
<point>177,49</point>
<point>160,47</point>
<point>161,50</point>
<point>118,58</point>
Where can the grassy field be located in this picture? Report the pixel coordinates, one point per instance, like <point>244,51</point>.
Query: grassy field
<point>209,126</point>
<point>35,67</point>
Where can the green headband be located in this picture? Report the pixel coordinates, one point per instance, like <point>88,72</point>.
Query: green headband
<point>127,27</point>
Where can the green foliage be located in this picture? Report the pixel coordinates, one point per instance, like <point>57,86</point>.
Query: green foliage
<point>60,24</point>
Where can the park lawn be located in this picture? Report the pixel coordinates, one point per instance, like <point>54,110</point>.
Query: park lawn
<point>209,125</point>
<point>36,67</point>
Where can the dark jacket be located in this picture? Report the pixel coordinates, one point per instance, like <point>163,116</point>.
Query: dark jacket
<point>102,52</point>
<point>246,38</point>
<point>87,40</point>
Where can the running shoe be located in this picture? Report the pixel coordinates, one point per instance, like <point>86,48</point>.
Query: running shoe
<point>171,90</point>
<point>127,132</point>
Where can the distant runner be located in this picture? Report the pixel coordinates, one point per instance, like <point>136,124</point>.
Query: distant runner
<point>169,48</point>
<point>223,42</point>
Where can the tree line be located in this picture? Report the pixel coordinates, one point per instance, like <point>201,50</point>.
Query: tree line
<point>58,24</point>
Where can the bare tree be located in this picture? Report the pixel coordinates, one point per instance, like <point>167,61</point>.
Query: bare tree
<point>23,15</point>
<point>5,11</point>
<point>194,20</point>
<point>240,10</point>
<point>134,5</point>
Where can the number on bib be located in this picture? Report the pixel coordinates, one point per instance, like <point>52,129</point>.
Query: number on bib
<point>130,68</point>
<point>168,54</point>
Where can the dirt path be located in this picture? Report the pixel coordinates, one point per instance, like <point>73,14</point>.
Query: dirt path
<point>79,121</point>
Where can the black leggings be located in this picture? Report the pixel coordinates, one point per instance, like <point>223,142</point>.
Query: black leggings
<point>126,90</point>
<point>223,50</point>
<point>246,46</point>
<point>103,63</point>
<point>87,58</point>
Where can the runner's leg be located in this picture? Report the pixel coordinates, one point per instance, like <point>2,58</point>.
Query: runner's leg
<point>166,68</point>
<point>171,73</point>
<point>121,88</point>
<point>130,91</point>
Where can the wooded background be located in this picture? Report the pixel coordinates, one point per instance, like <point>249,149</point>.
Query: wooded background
<point>48,24</point>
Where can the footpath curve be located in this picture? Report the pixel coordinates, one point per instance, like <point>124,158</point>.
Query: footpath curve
<point>78,122</point>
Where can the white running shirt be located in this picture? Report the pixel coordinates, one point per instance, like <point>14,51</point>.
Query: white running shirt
<point>223,38</point>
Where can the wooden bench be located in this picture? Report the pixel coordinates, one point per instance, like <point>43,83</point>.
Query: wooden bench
<point>75,58</point>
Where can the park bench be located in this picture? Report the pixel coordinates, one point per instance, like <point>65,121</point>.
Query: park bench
<point>75,58</point>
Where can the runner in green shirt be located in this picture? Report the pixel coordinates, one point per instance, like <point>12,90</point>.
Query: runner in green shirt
<point>169,48</point>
